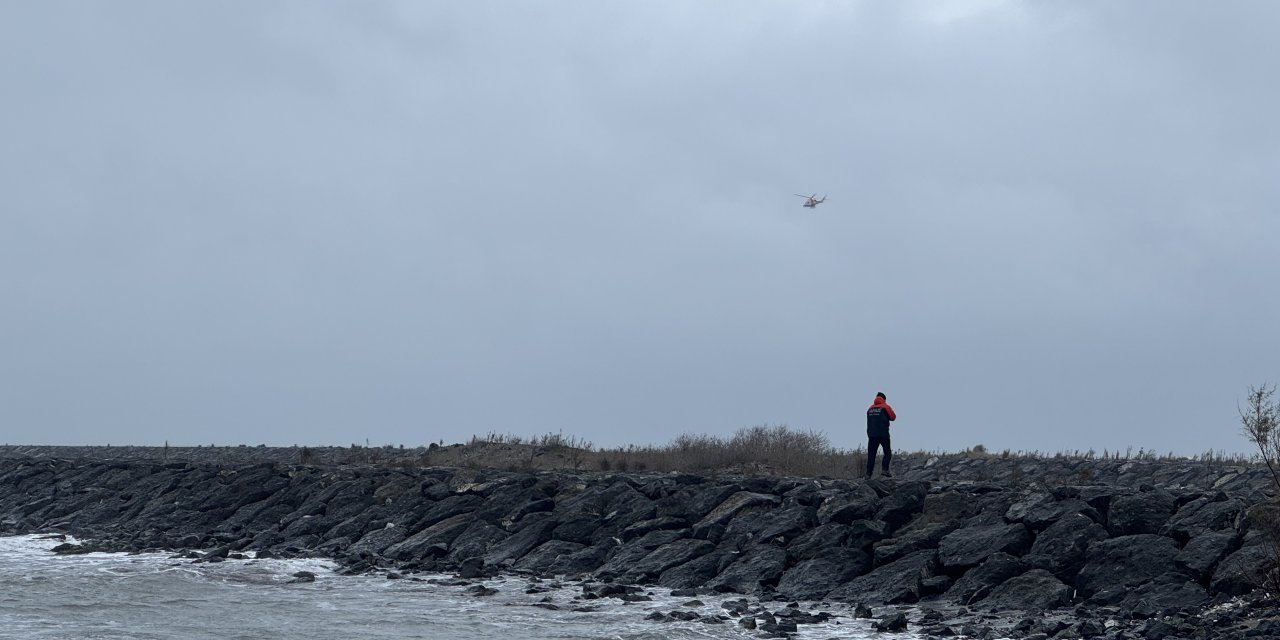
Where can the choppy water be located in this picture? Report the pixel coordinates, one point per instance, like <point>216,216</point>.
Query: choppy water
<point>119,596</point>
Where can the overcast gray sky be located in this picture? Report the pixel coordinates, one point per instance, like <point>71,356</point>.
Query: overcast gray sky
<point>1050,226</point>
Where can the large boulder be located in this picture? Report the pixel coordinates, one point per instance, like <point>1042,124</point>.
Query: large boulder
<point>1202,553</point>
<point>549,554</point>
<point>978,582</point>
<point>1039,511</point>
<point>757,570</point>
<point>534,532</point>
<point>971,545</point>
<point>1162,598</point>
<point>897,582</point>
<point>814,578</point>
<point>1061,548</point>
<point>1205,515</point>
<point>916,539</point>
<point>1129,561</point>
<point>1244,570</point>
<point>844,508</point>
<point>650,567</point>
<point>712,526</point>
<point>904,502</point>
<point>1143,512</point>
<point>1035,589</point>
<point>433,540</point>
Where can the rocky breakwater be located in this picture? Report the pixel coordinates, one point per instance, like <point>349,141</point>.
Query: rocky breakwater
<point>978,558</point>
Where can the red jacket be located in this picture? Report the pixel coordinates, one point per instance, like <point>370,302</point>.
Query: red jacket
<point>879,415</point>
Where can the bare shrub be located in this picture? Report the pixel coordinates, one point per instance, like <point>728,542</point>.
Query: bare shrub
<point>1260,419</point>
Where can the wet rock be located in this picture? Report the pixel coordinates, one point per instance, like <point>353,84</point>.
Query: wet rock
<point>918,539</point>
<point>1061,548</point>
<point>904,502</point>
<point>720,516</point>
<point>436,537</point>
<point>547,555</point>
<point>1035,589</point>
<point>971,545</point>
<point>1210,514</point>
<point>1162,598</point>
<point>896,582</point>
<point>1242,571</point>
<point>892,622</point>
<point>978,582</point>
<point>1203,553</point>
<point>814,578</point>
<point>302,577</point>
<point>1125,562</point>
<point>757,569</point>
<point>651,566</point>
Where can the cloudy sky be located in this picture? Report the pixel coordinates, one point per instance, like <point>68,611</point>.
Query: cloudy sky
<point>1049,226</point>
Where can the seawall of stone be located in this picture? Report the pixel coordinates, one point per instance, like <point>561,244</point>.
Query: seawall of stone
<point>1141,538</point>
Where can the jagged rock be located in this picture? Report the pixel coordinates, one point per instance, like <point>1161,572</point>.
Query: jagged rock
<point>814,578</point>
<point>1203,553</point>
<point>547,555</point>
<point>757,569</point>
<point>896,582</point>
<point>978,582</point>
<point>696,572</point>
<point>1242,571</point>
<point>1035,589</point>
<point>904,502</point>
<point>1061,548</point>
<point>536,530</point>
<point>917,539</point>
<point>722,514</point>
<point>654,524</point>
<point>437,536</point>
<point>1041,510</point>
<point>844,508</point>
<point>1210,514</point>
<point>1143,512</point>
<point>378,540</point>
<point>1162,598</point>
<point>892,622</point>
<point>971,545</point>
<point>1128,561</point>
<point>650,567</point>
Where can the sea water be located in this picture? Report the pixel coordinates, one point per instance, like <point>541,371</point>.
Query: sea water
<point>156,595</point>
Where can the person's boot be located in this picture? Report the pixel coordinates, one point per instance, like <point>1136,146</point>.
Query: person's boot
<point>886,474</point>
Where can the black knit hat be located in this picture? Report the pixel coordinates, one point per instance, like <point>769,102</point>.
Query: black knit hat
<point>880,394</point>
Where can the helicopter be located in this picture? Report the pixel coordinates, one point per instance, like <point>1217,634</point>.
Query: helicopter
<point>812,201</point>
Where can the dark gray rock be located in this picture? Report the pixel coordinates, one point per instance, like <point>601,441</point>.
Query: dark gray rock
<point>757,569</point>
<point>918,539</point>
<point>1242,571</point>
<point>1128,561</point>
<point>1036,589</point>
<point>1061,548</point>
<point>437,537</point>
<point>536,530</point>
<point>652,566</point>
<point>1162,598</point>
<point>547,555</point>
<point>859,504</point>
<point>697,572</point>
<point>892,622</point>
<point>712,525</point>
<point>1202,553</point>
<point>896,582</point>
<point>1143,512</point>
<point>814,578</point>
<point>904,502</point>
<point>580,562</point>
<point>971,545</point>
<point>978,582</point>
<point>1039,511</point>
<point>375,542</point>
<point>1211,514</point>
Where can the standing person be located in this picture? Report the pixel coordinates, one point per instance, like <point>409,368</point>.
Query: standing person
<point>879,415</point>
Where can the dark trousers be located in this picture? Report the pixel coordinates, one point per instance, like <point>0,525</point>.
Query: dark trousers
<point>873,442</point>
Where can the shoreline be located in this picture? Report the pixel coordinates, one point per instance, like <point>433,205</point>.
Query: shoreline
<point>1136,550</point>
